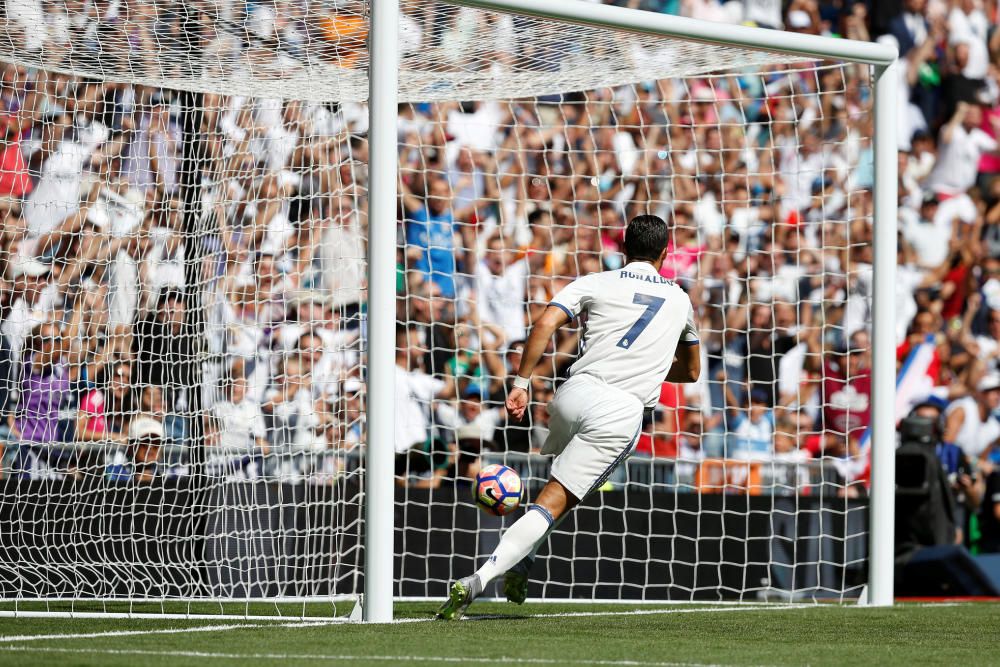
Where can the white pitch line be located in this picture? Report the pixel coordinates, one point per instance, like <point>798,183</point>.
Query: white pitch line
<point>632,612</point>
<point>164,631</point>
<point>353,658</point>
<point>308,624</point>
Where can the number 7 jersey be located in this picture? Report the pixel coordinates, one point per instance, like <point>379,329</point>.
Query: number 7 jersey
<point>635,319</point>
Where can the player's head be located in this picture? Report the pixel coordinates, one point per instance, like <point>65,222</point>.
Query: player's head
<point>646,239</point>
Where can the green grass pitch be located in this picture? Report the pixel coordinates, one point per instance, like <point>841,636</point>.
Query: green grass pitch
<point>535,634</point>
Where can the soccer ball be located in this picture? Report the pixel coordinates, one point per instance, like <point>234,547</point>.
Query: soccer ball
<point>498,489</point>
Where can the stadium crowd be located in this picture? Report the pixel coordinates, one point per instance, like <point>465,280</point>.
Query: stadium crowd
<point>144,309</point>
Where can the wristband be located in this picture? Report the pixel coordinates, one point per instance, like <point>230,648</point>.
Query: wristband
<point>522,383</point>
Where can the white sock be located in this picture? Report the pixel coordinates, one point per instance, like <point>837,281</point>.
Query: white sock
<point>545,538</point>
<point>519,540</point>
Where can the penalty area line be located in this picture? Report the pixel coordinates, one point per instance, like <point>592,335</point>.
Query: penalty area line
<point>346,658</point>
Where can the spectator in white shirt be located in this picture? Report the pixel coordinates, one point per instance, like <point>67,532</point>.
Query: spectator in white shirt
<point>788,450</point>
<point>353,416</point>
<point>312,312</point>
<point>962,143</point>
<point>969,422</point>
<point>155,155</point>
<point>415,391</point>
<point>318,362</point>
<point>987,345</point>
<point>34,299</point>
<point>763,13</point>
<point>237,442</point>
<point>341,253</point>
<point>300,418</point>
<point>968,27</point>
<point>689,450</point>
<point>472,412</point>
<point>57,194</point>
<point>927,233</point>
<point>501,286</point>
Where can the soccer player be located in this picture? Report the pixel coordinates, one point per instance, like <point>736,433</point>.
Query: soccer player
<point>640,331</point>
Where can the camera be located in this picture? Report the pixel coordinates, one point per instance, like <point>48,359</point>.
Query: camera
<point>918,430</point>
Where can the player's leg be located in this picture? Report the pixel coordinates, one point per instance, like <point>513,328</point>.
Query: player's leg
<point>517,542</point>
<point>592,430</point>
<point>554,501</point>
<point>584,480</point>
<point>515,580</point>
<point>535,523</point>
<point>585,464</point>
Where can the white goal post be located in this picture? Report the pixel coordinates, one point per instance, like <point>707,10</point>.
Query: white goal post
<point>384,67</point>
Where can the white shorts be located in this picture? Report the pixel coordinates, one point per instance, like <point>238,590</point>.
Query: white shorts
<point>593,427</point>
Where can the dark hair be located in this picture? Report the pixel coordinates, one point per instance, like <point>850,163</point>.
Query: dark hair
<point>36,339</point>
<point>537,215</point>
<point>308,333</point>
<point>646,237</point>
<point>169,294</point>
<point>261,255</point>
<point>104,375</point>
<point>402,331</point>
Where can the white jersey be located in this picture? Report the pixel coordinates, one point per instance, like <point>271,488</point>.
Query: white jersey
<point>635,318</point>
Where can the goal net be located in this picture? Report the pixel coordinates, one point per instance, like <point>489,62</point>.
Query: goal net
<point>182,366</point>
<point>748,482</point>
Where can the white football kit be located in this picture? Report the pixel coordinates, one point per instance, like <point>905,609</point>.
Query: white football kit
<point>634,319</point>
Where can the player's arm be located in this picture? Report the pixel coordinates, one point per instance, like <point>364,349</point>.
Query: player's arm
<point>687,358</point>
<point>552,318</point>
<point>687,364</point>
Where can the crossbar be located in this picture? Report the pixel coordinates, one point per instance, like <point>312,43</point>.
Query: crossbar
<point>706,32</point>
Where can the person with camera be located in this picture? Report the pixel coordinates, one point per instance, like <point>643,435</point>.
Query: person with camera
<point>971,425</point>
<point>930,556</point>
<point>963,479</point>
<point>927,513</point>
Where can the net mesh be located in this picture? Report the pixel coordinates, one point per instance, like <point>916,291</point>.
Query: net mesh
<point>317,51</point>
<point>183,344</point>
<point>744,484</point>
<point>183,303</point>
